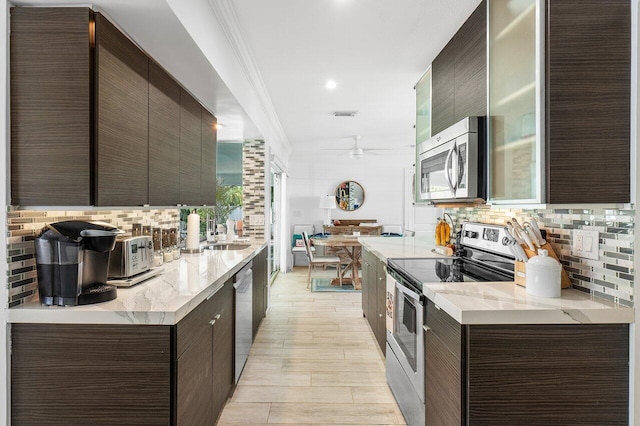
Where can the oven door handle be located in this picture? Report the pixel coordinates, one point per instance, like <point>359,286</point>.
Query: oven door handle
<point>411,293</point>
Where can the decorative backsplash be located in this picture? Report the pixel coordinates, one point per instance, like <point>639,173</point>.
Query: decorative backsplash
<point>24,225</point>
<point>253,182</point>
<point>610,277</point>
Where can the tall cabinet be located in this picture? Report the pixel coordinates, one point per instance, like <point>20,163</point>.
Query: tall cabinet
<point>559,101</point>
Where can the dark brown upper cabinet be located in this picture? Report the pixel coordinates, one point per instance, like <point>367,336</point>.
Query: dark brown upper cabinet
<point>164,138</point>
<point>51,106</point>
<point>190,143</point>
<point>94,121</point>
<point>459,73</point>
<point>208,159</point>
<point>122,118</point>
<point>588,85</point>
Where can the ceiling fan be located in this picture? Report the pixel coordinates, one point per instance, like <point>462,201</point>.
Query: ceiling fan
<point>356,152</point>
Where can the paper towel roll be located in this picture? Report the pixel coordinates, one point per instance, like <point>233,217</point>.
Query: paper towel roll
<point>193,231</point>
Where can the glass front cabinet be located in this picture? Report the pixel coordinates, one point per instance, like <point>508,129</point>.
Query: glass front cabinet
<point>423,121</point>
<point>515,65</point>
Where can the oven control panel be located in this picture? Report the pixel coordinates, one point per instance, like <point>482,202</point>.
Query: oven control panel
<point>486,237</point>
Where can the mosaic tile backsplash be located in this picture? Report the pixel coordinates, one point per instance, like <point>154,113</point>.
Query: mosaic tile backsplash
<point>253,181</point>
<point>24,225</point>
<point>611,276</point>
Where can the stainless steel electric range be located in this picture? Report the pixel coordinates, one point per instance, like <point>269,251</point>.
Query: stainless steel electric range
<point>483,255</point>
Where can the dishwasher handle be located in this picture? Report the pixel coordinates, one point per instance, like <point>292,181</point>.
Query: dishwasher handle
<point>244,283</point>
<point>246,269</point>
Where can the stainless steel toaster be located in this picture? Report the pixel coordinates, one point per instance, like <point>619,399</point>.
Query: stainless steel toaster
<point>131,256</point>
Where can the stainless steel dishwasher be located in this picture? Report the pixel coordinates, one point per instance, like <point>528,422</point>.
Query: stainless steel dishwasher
<point>243,285</point>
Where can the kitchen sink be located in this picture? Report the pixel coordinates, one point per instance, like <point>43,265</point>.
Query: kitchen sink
<point>232,246</point>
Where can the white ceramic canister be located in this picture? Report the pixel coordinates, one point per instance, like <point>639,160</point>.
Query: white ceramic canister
<point>543,275</point>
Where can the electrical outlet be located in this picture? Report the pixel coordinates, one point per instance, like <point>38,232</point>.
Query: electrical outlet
<point>586,244</point>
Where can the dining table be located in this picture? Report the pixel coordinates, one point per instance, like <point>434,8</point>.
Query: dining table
<point>351,247</point>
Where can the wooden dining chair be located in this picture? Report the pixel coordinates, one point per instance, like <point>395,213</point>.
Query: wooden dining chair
<point>320,260</point>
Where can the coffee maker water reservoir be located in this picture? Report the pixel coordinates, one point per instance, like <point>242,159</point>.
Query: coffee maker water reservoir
<point>72,260</point>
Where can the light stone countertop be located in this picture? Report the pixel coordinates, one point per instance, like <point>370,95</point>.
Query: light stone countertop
<point>400,247</point>
<point>509,303</point>
<point>162,300</point>
<point>499,302</point>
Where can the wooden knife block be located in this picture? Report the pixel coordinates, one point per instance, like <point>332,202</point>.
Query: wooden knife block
<point>520,268</point>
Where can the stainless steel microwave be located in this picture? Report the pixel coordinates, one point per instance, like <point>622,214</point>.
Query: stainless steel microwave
<point>452,164</point>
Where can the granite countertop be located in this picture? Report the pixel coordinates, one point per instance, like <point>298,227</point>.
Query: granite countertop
<point>400,247</point>
<point>509,303</point>
<point>162,300</point>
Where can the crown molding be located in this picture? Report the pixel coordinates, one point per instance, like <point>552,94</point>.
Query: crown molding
<point>228,19</point>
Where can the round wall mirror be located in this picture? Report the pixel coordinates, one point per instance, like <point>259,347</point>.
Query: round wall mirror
<point>349,195</point>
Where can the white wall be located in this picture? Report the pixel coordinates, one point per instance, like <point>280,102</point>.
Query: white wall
<point>314,174</point>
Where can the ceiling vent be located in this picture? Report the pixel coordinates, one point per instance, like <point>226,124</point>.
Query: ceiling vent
<point>345,113</point>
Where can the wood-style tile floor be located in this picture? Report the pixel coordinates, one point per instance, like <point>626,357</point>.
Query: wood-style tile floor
<point>314,361</point>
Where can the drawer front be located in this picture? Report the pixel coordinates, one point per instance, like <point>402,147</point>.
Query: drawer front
<point>195,323</point>
<point>445,327</point>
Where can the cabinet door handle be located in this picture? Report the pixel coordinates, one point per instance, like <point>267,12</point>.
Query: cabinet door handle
<point>380,278</point>
<point>213,321</point>
<point>380,315</point>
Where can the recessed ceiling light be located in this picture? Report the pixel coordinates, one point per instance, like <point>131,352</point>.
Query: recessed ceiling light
<point>330,85</point>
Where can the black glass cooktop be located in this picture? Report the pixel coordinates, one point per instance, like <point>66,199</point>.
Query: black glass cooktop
<point>419,271</point>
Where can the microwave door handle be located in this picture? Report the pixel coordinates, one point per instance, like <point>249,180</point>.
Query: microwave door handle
<point>455,168</point>
<point>447,170</point>
<point>460,170</point>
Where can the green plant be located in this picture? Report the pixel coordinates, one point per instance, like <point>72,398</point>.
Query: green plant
<point>228,198</point>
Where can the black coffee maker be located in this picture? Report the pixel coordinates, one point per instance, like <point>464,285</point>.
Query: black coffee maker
<point>72,260</point>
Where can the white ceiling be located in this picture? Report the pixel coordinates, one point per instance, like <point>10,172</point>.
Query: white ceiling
<point>261,66</point>
<point>375,50</point>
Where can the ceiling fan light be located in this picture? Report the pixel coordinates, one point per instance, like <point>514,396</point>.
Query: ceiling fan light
<point>356,153</point>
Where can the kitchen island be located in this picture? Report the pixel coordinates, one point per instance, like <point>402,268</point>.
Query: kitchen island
<point>161,353</point>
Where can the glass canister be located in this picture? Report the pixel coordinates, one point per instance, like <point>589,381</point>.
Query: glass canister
<point>136,229</point>
<point>167,250</point>
<point>174,239</point>
<point>157,247</point>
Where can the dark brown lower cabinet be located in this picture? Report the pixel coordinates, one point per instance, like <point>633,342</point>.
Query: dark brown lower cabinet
<point>76,374</point>
<point>260,289</point>
<point>223,339</point>
<point>543,374</point>
<point>374,290</point>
